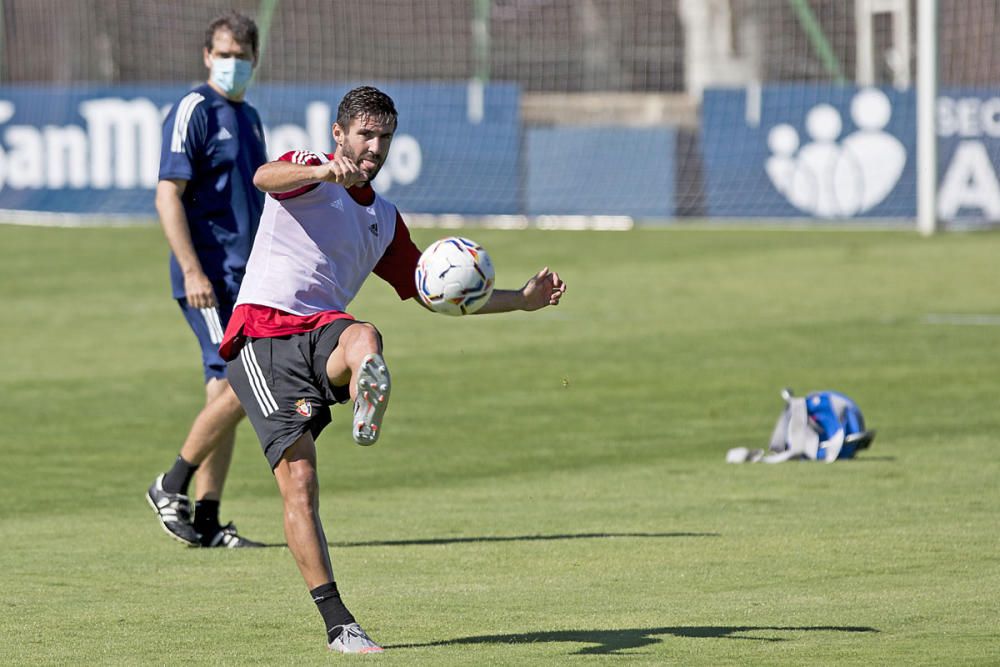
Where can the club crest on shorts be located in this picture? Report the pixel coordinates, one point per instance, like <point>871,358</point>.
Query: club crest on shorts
<point>304,407</point>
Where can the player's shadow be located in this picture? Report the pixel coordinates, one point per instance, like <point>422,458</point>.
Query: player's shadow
<point>610,642</point>
<point>433,541</point>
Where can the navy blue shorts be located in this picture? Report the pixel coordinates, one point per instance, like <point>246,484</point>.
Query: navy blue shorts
<point>208,325</point>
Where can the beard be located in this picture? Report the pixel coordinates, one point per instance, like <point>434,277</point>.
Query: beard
<point>369,175</point>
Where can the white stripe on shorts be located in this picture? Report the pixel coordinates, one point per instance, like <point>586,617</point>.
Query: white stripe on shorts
<point>265,400</point>
<point>213,323</point>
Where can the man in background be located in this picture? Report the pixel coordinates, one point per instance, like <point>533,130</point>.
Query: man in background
<point>213,142</point>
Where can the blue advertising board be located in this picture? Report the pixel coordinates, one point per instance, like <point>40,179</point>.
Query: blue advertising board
<point>846,153</point>
<point>93,149</point>
<point>568,171</point>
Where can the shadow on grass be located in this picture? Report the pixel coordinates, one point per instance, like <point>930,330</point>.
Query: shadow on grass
<point>433,541</point>
<point>609,642</point>
<point>510,538</point>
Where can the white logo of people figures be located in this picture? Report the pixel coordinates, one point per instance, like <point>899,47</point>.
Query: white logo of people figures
<point>832,179</point>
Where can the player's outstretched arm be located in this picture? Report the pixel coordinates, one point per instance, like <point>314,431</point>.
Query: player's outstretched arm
<point>283,176</point>
<point>545,288</point>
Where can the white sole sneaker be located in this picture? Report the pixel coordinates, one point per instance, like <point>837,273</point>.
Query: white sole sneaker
<point>373,387</point>
<point>173,511</point>
<point>352,639</point>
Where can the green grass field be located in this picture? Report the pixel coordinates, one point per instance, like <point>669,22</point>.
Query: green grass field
<point>551,487</point>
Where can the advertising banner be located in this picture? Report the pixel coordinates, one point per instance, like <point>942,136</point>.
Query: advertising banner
<point>569,171</point>
<point>95,150</point>
<point>846,153</point>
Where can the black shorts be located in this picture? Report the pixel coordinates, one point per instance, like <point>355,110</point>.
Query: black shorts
<point>283,386</point>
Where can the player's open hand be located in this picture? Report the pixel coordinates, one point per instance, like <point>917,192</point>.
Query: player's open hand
<point>343,171</point>
<point>544,289</point>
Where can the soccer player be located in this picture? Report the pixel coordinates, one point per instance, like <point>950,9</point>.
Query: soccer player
<point>294,350</point>
<point>213,142</point>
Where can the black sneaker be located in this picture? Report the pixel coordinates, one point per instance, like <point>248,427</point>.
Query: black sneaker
<point>174,512</point>
<point>227,538</point>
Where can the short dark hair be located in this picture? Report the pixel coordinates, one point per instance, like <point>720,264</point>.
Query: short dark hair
<point>365,101</point>
<point>243,28</point>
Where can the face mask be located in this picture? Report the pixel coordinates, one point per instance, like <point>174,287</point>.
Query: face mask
<point>231,74</point>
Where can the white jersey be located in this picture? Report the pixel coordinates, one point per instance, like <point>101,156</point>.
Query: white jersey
<point>314,250</point>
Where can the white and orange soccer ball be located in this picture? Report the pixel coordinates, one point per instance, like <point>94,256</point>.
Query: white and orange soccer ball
<point>455,276</point>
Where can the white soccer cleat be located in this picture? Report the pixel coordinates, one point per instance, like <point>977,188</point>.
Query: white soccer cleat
<point>352,639</point>
<point>373,387</point>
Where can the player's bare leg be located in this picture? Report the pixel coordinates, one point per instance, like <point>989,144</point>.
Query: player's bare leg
<point>357,342</point>
<point>208,447</point>
<point>214,429</point>
<point>358,357</point>
<point>299,486</point>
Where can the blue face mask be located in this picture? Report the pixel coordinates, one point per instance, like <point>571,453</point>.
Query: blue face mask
<point>231,75</point>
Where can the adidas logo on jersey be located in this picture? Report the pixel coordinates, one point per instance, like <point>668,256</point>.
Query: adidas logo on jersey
<point>373,228</point>
<point>339,205</point>
<point>224,134</point>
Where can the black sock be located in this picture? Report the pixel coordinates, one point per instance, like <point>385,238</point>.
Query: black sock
<point>206,517</point>
<point>177,478</point>
<point>327,599</point>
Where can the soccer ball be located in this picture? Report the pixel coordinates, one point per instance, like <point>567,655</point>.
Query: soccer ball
<point>454,276</point>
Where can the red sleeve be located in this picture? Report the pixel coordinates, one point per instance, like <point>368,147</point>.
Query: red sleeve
<point>399,262</point>
<point>298,157</point>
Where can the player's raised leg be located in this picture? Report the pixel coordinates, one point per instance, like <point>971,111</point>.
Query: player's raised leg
<point>358,357</point>
<point>299,486</point>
